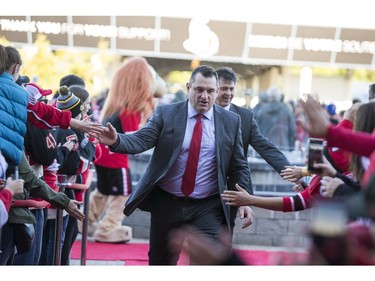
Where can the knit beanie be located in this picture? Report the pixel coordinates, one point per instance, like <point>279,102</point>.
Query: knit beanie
<point>68,101</point>
<point>79,92</point>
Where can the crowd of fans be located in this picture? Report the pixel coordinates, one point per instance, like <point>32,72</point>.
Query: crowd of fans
<point>43,138</point>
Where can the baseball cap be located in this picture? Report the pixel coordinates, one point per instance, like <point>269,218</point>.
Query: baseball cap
<point>37,92</point>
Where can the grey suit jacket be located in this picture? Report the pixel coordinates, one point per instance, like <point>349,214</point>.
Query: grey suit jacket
<point>252,136</point>
<point>165,133</point>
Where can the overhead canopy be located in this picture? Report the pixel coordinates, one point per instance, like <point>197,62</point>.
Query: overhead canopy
<point>350,14</point>
<point>247,43</point>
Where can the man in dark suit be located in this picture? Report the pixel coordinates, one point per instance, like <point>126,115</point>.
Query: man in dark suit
<point>159,191</point>
<point>250,132</point>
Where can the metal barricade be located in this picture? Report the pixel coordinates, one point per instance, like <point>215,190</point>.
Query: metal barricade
<point>86,202</point>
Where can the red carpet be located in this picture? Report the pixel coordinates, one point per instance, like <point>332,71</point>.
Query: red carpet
<point>131,254</point>
<point>136,254</point>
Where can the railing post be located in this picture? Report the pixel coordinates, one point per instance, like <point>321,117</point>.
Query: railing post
<point>86,205</point>
<point>59,223</point>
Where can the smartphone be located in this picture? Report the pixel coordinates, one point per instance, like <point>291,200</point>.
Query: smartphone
<point>315,153</point>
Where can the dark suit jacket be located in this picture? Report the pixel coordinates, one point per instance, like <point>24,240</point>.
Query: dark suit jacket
<point>252,136</point>
<point>165,133</point>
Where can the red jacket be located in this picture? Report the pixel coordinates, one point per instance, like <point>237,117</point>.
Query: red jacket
<point>303,200</point>
<point>45,116</point>
<point>355,142</point>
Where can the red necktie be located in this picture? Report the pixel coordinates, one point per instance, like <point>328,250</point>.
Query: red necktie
<point>188,179</point>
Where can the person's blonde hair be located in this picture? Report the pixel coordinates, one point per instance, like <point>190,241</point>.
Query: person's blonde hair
<point>130,90</point>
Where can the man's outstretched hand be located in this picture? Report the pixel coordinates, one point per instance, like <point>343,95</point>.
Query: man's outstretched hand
<point>108,135</point>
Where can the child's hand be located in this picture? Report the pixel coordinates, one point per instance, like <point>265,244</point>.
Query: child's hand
<point>14,186</point>
<point>292,173</point>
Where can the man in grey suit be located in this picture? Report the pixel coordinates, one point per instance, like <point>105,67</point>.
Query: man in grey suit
<point>250,132</point>
<point>169,131</point>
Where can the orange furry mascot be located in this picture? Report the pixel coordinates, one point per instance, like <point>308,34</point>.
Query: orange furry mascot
<point>130,102</point>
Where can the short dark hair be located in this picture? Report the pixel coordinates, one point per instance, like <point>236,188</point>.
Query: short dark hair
<point>206,71</point>
<point>226,73</point>
<point>72,79</point>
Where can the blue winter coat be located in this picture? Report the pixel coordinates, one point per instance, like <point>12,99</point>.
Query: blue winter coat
<point>13,117</point>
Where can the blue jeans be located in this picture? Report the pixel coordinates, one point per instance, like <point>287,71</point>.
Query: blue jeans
<point>32,257</point>
<point>48,244</point>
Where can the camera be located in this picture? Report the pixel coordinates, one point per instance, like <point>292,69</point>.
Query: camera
<point>315,153</point>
